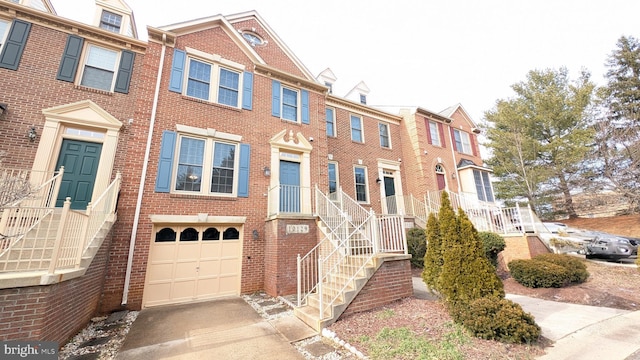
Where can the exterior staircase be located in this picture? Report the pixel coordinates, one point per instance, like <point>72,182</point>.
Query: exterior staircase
<point>350,252</point>
<point>42,244</point>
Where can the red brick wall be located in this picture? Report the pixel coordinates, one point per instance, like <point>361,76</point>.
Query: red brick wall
<point>347,153</point>
<point>256,127</point>
<point>55,312</point>
<point>521,247</point>
<point>391,282</point>
<point>281,251</point>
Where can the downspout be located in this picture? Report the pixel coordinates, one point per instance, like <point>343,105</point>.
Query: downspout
<point>453,156</point>
<point>136,219</point>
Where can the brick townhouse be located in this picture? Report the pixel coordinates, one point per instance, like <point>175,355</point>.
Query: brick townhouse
<point>224,159</point>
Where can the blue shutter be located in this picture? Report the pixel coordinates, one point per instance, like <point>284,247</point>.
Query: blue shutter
<point>70,59</point>
<point>247,91</point>
<point>243,176</point>
<point>124,72</point>
<point>177,71</point>
<point>14,45</point>
<point>275,98</point>
<point>165,164</point>
<point>305,106</point>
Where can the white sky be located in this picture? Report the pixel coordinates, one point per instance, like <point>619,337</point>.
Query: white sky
<point>428,53</point>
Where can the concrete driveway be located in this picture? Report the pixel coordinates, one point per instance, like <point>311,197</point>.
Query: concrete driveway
<point>220,329</point>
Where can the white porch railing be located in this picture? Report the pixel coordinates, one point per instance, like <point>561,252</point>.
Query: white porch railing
<point>485,216</point>
<point>409,205</point>
<point>59,238</point>
<point>351,237</point>
<point>289,199</point>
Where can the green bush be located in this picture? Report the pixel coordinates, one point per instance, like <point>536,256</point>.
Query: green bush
<point>577,269</point>
<point>535,274</point>
<point>498,319</point>
<point>492,244</point>
<point>417,246</point>
<point>433,257</point>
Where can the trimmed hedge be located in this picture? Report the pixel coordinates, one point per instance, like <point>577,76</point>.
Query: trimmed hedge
<point>498,319</point>
<point>535,274</point>
<point>577,269</point>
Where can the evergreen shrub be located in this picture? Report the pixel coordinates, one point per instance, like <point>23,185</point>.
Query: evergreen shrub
<point>492,244</point>
<point>577,269</point>
<point>417,246</point>
<point>499,319</point>
<point>535,274</point>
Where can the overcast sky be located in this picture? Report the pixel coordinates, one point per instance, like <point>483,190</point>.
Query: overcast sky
<point>431,54</point>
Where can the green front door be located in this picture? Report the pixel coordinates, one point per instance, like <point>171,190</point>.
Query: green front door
<point>80,160</point>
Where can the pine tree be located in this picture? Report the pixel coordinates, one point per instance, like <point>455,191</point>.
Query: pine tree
<point>433,257</point>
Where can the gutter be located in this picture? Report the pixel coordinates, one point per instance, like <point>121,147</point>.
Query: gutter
<point>143,177</point>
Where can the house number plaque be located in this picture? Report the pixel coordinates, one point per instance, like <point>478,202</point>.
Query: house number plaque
<point>297,229</point>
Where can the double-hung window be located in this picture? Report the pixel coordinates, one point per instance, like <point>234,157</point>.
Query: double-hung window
<point>99,68</point>
<point>356,128</point>
<point>330,116</point>
<point>463,143</point>
<point>111,21</point>
<point>213,83</point>
<point>384,135</point>
<point>333,177</point>
<point>211,78</point>
<point>360,174</point>
<point>434,134</point>
<point>483,185</point>
<point>289,104</point>
<point>206,166</point>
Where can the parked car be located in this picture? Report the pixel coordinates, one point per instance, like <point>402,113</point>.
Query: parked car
<point>556,227</point>
<point>608,246</point>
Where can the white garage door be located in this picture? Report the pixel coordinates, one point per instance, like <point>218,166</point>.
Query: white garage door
<point>188,263</point>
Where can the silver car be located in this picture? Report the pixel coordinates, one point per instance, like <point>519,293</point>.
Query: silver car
<point>609,246</point>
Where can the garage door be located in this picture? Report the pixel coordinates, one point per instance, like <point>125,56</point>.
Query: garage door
<point>188,263</point>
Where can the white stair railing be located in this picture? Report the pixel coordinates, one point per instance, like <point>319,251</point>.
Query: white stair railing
<point>74,231</point>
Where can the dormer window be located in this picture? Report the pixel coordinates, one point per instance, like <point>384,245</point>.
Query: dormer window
<point>363,99</point>
<point>330,86</point>
<point>110,21</point>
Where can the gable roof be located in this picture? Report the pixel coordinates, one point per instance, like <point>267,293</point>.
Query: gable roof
<point>451,110</point>
<point>225,22</point>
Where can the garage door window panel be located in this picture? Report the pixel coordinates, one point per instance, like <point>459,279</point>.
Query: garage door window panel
<point>231,234</point>
<point>211,234</point>
<point>166,235</point>
<point>189,234</point>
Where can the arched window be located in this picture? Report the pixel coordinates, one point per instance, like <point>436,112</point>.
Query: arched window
<point>211,234</point>
<point>439,169</point>
<point>166,235</point>
<point>231,234</point>
<point>189,234</point>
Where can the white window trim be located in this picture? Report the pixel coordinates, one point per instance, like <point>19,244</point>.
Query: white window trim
<point>3,37</point>
<point>207,164</point>
<point>335,127</point>
<point>388,135</point>
<point>216,62</point>
<point>337,173</point>
<point>466,147</point>
<point>85,58</point>
<point>437,138</point>
<point>366,184</point>
<point>361,128</point>
<point>298,103</point>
